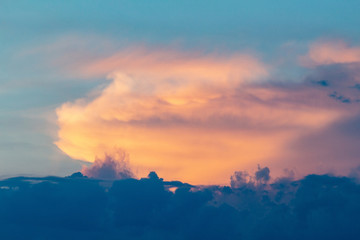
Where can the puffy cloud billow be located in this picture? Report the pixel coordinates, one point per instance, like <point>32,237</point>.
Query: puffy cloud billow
<point>78,207</point>
<point>178,112</point>
<point>114,166</point>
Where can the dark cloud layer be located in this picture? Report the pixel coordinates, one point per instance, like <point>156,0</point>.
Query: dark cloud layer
<point>78,207</point>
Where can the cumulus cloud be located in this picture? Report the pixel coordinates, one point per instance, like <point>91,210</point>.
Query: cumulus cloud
<point>240,179</point>
<point>262,175</point>
<point>177,112</point>
<point>114,166</point>
<point>314,207</point>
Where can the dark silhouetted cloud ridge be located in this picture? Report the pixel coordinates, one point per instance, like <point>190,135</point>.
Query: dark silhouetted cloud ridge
<point>80,207</point>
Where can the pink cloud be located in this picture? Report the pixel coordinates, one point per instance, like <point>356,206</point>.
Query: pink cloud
<point>190,117</point>
<point>331,52</point>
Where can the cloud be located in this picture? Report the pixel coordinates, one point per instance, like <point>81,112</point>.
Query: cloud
<point>331,52</point>
<point>262,175</point>
<point>177,113</point>
<point>316,206</point>
<point>113,166</point>
<point>333,148</point>
<point>180,66</point>
<point>240,179</point>
<point>339,81</point>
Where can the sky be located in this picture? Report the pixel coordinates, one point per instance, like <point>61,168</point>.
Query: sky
<point>194,90</point>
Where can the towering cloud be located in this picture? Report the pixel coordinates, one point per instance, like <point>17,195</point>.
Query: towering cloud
<point>196,117</point>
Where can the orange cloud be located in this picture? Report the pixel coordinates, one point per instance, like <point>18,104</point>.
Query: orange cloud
<point>186,116</point>
<point>331,52</point>
<point>165,63</point>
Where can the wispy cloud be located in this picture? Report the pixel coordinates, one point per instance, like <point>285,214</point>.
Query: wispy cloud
<point>331,52</point>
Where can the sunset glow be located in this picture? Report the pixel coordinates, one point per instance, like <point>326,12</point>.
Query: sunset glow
<point>176,115</point>
<point>179,120</point>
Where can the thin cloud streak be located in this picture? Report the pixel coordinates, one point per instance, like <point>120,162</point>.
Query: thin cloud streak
<point>331,52</point>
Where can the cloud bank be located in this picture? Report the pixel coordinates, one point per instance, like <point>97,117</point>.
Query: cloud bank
<point>332,52</point>
<point>315,207</point>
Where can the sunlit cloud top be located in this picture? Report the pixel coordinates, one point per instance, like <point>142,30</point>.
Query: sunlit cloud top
<point>193,117</point>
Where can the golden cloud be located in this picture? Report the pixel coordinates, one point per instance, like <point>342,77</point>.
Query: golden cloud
<point>187,116</point>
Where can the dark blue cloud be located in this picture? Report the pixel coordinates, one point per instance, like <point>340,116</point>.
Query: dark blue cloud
<point>262,175</point>
<point>77,207</point>
<point>110,167</point>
